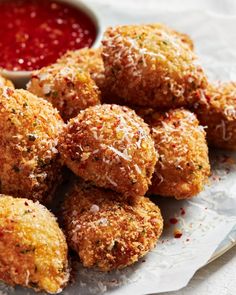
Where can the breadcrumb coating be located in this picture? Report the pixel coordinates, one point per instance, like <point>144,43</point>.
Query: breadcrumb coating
<point>218,114</point>
<point>88,60</point>
<point>5,82</point>
<point>33,249</point>
<point>67,87</point>
<point>111,146</point>
<point>107,232</point>
<point>183,37</point>
<point>30,128</point>
<point>150,66</point>
<point>183,165</point>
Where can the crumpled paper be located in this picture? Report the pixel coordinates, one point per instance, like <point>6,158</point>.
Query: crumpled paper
<point>204,221</point>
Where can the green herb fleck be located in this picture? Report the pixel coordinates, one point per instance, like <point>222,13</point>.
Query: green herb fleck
<point>55,94</point>
<point>26,251</point>
<point>27,211</point>
<point>143,232</point>
<point>165,42</point>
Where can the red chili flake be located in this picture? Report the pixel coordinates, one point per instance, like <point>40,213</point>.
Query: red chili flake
<point>177,234</point>
<point>173,220</point>
<point>197,94</point>
<point>182,211</point>
<point>9,91</point>
<point>208,98</point>
<point>117,123</point>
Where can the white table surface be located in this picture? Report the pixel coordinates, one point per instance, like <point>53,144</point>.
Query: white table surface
<point>218,277</point>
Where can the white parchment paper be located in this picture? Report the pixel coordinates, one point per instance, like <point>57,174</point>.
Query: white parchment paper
<point>208,218</point>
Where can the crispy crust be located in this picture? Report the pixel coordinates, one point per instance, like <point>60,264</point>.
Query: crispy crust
<point>5,82</point>
<point>111,146</point>
<point>67,87</point>
<point>89,60</point>
<point>108,232</point>
<point>150,66</point>
<point>219,115</point>
<point>30,128</point>
<point>183,37</point>
<point>33,249</point>
<point>183,166</point>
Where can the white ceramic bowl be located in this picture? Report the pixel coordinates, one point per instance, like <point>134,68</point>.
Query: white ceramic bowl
<point>21,78</point>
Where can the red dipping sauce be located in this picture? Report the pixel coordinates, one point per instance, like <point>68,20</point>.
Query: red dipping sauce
<point>34,33</point>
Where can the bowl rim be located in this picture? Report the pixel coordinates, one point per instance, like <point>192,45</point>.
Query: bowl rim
<point>80,5</point>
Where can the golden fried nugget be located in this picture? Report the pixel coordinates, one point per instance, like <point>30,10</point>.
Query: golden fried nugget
<point>5,82</point>
<point>183,166</point>
<point>183,37</point>
<point>111,146</point>
<point>150,66</point>
<point>88,60</point>
<point>218,114</point>
<point>108,232</point>
<point>108,97</point>
<point>30,128</point>
<point>33,249</point>
<point>68,88</point>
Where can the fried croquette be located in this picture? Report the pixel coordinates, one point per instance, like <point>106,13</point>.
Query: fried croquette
<point>68,88</point>
<point>88,60</point>
<point>183,166</point>
<point>108,232</point>
<point>112,147</point>
<point>33,249</point>
<point>5,82</point>
<point>150,66</point>
<point>218,114</point>
<point>183,37</point>
<point>30,128</point>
